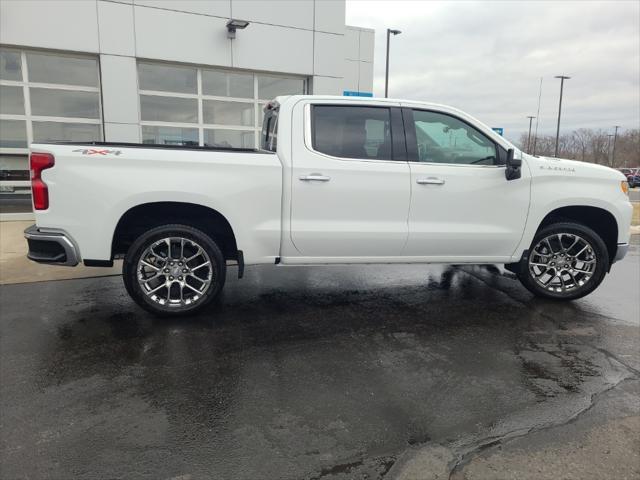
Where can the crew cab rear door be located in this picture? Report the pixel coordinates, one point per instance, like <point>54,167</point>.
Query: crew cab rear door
<point>350,188</point>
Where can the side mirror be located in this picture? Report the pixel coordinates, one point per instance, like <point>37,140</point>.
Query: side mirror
<point>513,171</point>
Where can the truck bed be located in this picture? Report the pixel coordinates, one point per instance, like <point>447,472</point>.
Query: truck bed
<point>92,185</point>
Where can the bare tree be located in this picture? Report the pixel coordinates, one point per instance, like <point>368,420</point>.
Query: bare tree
<point>592,146</point>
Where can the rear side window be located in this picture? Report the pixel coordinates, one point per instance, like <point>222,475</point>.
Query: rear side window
<point>269,136</point>
<point>352,132</point>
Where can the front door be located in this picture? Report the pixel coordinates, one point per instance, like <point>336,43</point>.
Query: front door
<point>462,206</point>
<point>349,197</point>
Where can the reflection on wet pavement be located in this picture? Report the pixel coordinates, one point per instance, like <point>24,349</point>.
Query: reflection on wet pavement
<point>328,372</point>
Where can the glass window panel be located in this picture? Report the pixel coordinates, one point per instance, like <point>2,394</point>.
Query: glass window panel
<point>352,132</point>
<point>227,113</point>
<point>11,100</point>
<point>64,103</point>
<point>13,134</point>
<point>10,65</point>
<point>445,139</point>
<point>167,78</point>
<point>169,135</point>
<point>15,200</point>
<point>14,163</point>
<point>48,68</point>
<point>226,84</point>
<point>229,138</point>
<point>270,87</point>
<point>168,109</point>
<point>72,132</point>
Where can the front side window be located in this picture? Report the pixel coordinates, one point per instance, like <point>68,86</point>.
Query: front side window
<point>445,139</point>
<point>352,132</point>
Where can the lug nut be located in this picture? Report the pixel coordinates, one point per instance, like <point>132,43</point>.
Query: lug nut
<point>180,277</point>
<point>170,278</point>
<point>184,270</point>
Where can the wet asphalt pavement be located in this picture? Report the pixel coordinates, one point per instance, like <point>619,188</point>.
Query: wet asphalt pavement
<point>307,373</point>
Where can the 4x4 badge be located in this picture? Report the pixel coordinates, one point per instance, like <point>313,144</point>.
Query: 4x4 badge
<point>97,151</point>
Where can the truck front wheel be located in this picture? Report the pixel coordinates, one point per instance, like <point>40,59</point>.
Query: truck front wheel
<point>566,261</point>
<point>173,270</point>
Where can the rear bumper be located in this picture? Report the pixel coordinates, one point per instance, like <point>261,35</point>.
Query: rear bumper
<point>51,246</point>
<point>622,250</point>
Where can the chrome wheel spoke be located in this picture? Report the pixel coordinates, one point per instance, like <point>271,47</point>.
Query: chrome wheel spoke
<point>157,270</point>
<point>147,264</point>
<point>561,270</point>
<point>200,266</point>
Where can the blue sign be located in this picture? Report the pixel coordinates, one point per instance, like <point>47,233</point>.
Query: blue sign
<point>498,130</point>
<point>349,93</point>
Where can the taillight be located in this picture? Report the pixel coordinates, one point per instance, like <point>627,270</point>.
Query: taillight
<point>40,193</point>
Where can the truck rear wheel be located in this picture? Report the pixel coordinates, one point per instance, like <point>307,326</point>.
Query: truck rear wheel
<point>173,270</point>
<point>566,261</point>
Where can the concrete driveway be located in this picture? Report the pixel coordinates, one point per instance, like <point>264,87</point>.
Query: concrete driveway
<point>333,373</point>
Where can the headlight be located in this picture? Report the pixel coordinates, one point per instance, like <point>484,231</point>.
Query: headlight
<point>625,187</point>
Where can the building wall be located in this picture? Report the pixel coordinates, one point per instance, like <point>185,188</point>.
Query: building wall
<point>359,47</point>
<point>303,38</point>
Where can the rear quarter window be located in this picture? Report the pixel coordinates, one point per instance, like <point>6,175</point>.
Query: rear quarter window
<point>269,136</point>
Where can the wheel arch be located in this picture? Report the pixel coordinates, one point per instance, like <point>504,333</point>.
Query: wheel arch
<point>597,219</point>
<point>145,216</point>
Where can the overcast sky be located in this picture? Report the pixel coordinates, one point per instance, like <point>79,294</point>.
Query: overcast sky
<point>487,58</point>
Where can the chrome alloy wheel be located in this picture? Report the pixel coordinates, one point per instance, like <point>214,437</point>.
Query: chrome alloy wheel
<point>174,272</point>
<point>562,262</point>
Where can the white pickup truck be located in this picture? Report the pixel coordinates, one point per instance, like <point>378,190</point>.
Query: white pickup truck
<point>336,180</point>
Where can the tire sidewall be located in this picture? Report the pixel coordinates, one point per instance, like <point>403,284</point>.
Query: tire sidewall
<point>130,277</point>
<point>602,263</point>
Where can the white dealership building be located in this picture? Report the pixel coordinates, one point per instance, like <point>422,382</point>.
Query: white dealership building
<point>165,71</point>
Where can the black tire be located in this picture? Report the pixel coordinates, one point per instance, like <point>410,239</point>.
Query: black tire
<point>527,279</point>
<point>217,272</point>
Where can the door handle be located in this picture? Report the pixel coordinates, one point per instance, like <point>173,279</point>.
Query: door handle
<point>315,177</point>
<point>430,181</point>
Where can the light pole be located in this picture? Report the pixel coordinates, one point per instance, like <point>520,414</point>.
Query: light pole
<point>609,149</point>
<point>386,74</point>
<point>530,117</point>
<point>562,79</point>
<point>615,137</point>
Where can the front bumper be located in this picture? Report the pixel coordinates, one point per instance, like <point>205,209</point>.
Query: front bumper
<point>622,250</point>
<point>52,246</point>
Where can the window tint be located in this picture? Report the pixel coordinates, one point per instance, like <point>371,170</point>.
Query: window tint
<point>228,113</point>
<point>167,78</point>
<point>229,138</point>
<point>10,65</point>
<point>62,69</point>
<point>70,132</point>
<point>11,100</point>
<point>227,84</point>
<point>270,87</point>
<point>168,109</point>
<point>445,139</point>
<point>169,135</point>
<point>13,134</point>
<point>352,132</point>
<point>65,103</point>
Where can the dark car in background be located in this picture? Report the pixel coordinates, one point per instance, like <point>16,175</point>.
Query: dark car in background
<point>633,177</point>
